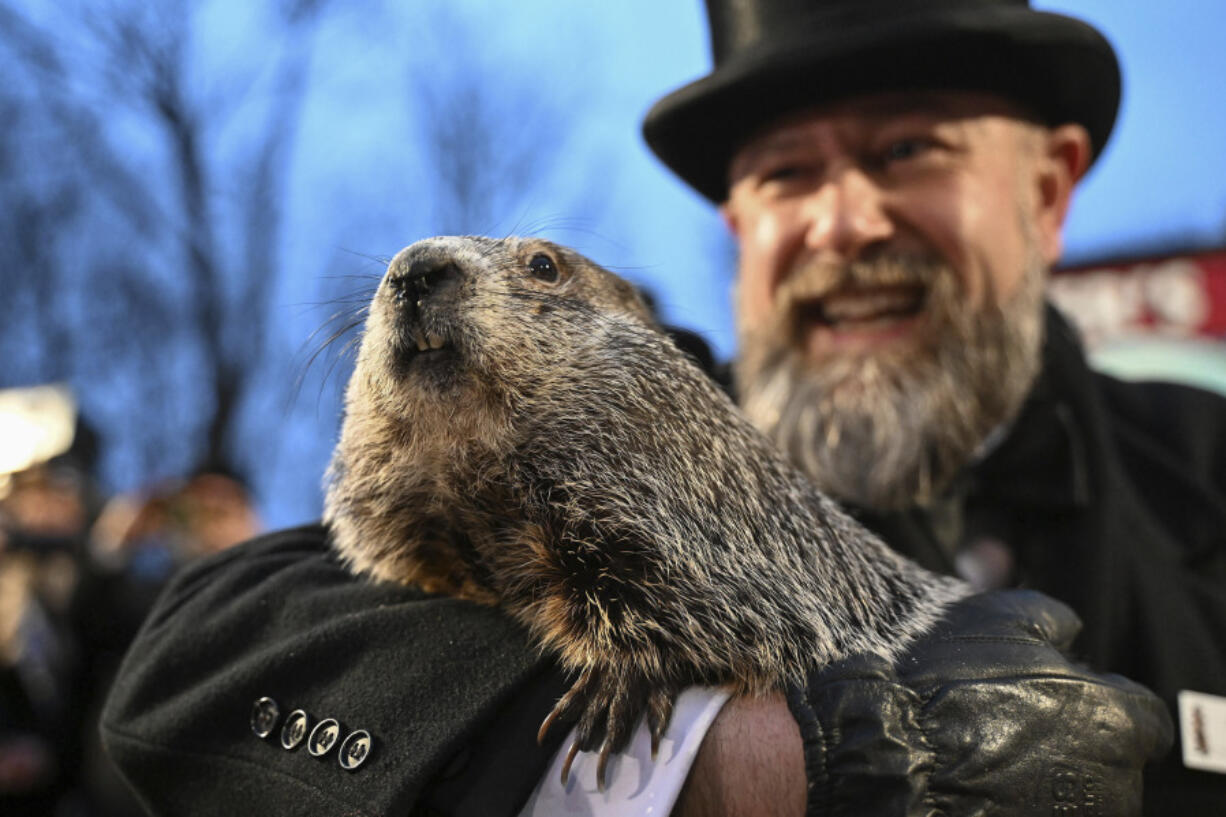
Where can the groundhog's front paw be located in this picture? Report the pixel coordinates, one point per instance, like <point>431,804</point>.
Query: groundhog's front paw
<point>607,704</point>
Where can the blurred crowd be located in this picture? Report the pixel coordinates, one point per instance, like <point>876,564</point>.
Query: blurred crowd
<point>78,571</point>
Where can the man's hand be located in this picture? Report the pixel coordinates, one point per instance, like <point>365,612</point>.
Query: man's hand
<point>986,714</point>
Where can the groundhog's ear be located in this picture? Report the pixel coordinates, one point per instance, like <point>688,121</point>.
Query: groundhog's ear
<point>638,301</point>
<point>698,351</point>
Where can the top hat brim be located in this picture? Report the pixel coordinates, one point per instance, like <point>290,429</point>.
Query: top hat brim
<point>1060,68</point>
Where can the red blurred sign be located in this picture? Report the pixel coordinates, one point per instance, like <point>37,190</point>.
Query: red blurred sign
<point>1175,296</point>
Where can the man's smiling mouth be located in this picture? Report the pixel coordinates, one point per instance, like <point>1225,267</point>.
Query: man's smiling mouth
<point>851,308</point>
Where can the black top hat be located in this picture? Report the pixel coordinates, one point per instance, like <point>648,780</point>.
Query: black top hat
<point>774,57</point>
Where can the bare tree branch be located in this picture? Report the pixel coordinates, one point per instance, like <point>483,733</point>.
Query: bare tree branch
<point>488,137</point>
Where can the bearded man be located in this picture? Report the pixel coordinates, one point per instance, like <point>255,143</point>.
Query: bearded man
<point>897,174</point>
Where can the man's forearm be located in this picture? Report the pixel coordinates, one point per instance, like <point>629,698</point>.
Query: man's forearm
<point>751,764</point>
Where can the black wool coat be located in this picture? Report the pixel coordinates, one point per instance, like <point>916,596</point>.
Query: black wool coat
<point>1109,496</point>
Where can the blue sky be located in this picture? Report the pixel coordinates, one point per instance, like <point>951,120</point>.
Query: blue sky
<point>1164,173</point>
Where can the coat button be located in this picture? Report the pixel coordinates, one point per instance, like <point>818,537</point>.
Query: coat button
<point>323,737</point>
<point>355,750</point>
<point>264,716</point>
<point>295,729</point>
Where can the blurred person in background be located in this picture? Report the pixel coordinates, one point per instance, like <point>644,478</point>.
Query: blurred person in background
<point>47,501</point>
<point>152,533</point>
<point>77,577</point>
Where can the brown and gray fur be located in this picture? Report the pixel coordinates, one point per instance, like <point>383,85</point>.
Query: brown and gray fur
<point>560,457</point>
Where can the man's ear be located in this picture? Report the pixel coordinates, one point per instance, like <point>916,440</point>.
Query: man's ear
<point>730,219</point>
<point>1063,160</point>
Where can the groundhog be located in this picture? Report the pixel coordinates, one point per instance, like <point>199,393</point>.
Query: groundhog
<point>518,431</point>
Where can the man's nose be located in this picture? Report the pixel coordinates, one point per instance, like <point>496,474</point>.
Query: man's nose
<point>846,214</point>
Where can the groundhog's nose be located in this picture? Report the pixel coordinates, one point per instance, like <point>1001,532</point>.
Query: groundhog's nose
<point>425,273</point>
<point>424,276</point>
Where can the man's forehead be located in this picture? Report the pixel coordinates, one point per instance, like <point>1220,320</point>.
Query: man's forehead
<point>879,109</point>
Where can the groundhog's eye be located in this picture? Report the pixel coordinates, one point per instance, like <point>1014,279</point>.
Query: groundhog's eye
<point>543,269</point>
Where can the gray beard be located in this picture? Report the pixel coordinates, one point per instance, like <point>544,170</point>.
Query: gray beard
<point>892,430</point>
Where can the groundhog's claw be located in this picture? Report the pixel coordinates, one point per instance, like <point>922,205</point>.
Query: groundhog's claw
<point>601,764</point>
<point>570,758</point>
<point>566,706</point>
<point>607,706</point>
<point>659,712</point>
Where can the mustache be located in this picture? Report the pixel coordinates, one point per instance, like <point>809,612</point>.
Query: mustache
<point>813,280</point>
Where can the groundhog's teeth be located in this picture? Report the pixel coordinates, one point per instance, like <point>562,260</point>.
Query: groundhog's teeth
<point>435,341</point>
<point>420,339</point>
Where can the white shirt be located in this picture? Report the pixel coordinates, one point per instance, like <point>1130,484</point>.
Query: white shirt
<point>636,784</point>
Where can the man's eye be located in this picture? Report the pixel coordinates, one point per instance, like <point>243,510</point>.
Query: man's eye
<point>900,150</point>
<point>784,173</point>
<point>780,173</point>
